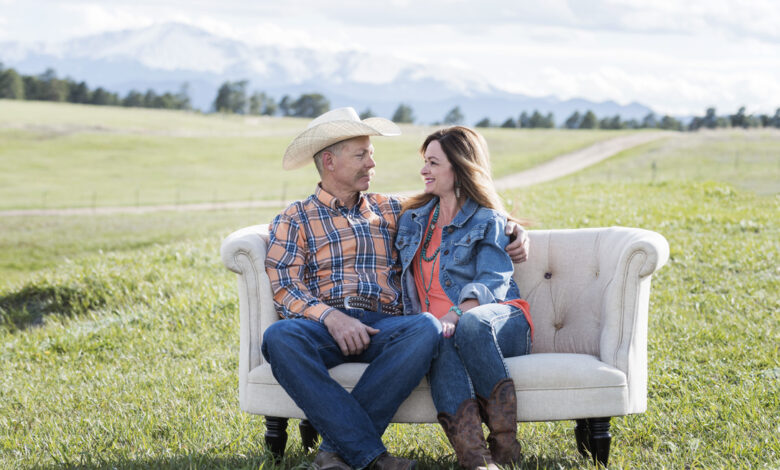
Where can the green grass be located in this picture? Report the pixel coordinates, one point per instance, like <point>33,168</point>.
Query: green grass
<point>747,159</point>
<point>132,363</point>
<point>119,335</point>
<point>31,244</point>
<point>55,155</point>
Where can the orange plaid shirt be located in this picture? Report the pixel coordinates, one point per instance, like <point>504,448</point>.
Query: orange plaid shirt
<point>319,249</point>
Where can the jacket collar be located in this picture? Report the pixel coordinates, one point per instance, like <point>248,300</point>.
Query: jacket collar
<point>464,214</point>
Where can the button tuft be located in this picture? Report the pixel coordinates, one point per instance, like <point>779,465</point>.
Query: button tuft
<point>547,275</point>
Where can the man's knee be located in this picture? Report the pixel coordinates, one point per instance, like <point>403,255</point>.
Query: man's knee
<point>428,327</point>
<point>283,337</point>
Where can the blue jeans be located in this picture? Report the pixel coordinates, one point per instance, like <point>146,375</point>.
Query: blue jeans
<point>471,361</point>
<point>351,424</point>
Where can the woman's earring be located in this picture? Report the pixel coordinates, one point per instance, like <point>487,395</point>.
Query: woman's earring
<point>457,191</point>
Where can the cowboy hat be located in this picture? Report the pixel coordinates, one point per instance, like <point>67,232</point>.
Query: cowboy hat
<point>331,127</point>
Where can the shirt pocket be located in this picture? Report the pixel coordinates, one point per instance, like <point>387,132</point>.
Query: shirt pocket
<point>465,248</point>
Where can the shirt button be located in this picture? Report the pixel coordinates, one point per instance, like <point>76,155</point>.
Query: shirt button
<point>447,283</point>
<point>446,252</point>
<point>450,229</point>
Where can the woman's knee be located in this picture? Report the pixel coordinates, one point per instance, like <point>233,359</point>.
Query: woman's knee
<point>471,324</point>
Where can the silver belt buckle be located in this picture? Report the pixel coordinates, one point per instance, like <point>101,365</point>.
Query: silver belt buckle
<point>346,302</point>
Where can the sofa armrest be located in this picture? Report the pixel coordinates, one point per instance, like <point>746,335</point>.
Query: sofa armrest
<point>244,252</point>
<point>623,341</point>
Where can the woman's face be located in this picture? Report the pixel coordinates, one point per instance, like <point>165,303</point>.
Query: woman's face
<point>437,171</point>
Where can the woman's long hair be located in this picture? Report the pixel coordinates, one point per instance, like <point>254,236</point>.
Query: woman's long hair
<point>467,152</point>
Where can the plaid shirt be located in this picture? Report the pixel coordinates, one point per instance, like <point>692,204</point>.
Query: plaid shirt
<point>319,249</point>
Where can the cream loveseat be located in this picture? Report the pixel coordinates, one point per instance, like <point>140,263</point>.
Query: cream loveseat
<point>588,290</point>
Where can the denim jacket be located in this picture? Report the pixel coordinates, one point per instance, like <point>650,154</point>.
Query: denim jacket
<point>473,263</point>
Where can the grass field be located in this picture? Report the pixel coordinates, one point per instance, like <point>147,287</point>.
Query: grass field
<point>55,155</point>
<point>119,335</point>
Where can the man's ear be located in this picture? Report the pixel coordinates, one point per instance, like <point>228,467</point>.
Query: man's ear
<point>328,161</point>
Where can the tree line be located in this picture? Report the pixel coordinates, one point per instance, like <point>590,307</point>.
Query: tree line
<point>233,97</point>
<point>47,87</point>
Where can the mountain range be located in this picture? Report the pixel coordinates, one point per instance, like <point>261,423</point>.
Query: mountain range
<point>165,56</point>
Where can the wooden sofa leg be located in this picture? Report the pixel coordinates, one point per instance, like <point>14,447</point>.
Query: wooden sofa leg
<point>582,434</point>
<point>276,435</point>
<point>593,438</point>
<point>308,434</point>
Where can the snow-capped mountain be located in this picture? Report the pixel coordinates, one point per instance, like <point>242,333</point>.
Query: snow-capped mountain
<point>165,56</point>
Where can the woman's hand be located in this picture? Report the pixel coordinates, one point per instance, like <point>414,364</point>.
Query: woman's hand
<point>448,324</point>
<point>450,320</point>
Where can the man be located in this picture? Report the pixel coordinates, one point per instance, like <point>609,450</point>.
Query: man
<point>334,272</point>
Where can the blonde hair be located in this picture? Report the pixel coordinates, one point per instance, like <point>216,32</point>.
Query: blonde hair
<point>467,152</point>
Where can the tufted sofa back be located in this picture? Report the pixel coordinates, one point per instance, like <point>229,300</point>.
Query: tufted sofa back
<point>575,282</point>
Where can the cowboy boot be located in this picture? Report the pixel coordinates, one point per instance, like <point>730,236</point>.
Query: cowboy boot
<point>464,430</point>
<point>499,412</point>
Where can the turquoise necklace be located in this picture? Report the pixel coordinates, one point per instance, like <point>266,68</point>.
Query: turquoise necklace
<point>432,258</point>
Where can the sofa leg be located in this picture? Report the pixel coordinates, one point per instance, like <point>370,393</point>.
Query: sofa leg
<point>308,434</point>
<point>276,435</point>
<point>582,435</point>
<point>600,439</point>
<point>593,438</point>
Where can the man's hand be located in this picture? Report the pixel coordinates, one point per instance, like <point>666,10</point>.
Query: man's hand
<point>352,336</point>
<point>519,245</point>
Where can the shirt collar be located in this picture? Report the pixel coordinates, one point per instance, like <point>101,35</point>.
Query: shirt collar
<point>335,203</point>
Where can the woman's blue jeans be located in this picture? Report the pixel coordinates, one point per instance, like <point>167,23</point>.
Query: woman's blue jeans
<point>471,361</point>
<point>351,424</point>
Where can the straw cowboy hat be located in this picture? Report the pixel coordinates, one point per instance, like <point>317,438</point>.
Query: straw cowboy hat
<point>333,126</point>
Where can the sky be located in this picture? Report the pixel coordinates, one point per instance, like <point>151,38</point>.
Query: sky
<point>676,56</point>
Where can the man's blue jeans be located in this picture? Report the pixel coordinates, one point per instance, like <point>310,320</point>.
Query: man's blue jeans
<point>471,361</point>
<point>351,424</point>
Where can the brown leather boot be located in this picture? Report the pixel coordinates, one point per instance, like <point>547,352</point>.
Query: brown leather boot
<point>464,430</point>
<point>500,414</point>
<point>391,462</point>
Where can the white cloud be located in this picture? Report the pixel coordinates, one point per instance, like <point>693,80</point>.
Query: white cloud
<point>682,94</point>
<point>674,56</point>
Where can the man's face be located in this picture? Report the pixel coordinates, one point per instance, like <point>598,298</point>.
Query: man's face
<point>353,165</point>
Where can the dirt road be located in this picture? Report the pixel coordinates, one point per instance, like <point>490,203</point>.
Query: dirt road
<point>559,166</point>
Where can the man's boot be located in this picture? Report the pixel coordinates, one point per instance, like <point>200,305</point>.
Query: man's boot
<point>464,430</point>
<point>500,414</point>
<point>391,462</point>
<point>329,461</point>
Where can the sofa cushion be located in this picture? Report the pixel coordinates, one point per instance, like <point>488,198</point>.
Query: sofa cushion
<point>549,386</point>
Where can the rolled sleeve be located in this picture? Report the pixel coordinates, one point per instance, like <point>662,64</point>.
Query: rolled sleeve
<point>475,290</point>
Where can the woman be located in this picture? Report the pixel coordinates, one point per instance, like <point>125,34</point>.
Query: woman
<point>451,242</point>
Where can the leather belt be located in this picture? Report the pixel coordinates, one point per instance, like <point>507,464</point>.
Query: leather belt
<point>364,303</point>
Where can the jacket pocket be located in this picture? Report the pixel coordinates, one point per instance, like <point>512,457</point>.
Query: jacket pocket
<point>465,248</point>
